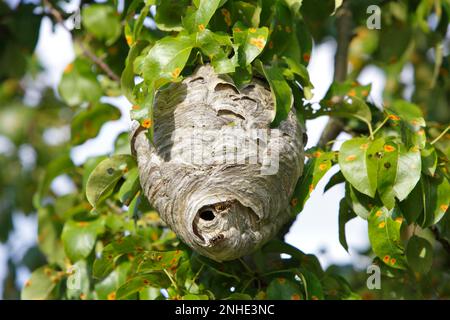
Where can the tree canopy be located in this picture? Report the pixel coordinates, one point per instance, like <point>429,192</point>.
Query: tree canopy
<point>103,240</point>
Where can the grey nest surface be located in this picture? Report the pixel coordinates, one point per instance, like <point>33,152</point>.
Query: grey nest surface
<point>218,174</point>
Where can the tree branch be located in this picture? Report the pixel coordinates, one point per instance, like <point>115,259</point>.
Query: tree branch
<point>344,26</point>
<point>88,53</point>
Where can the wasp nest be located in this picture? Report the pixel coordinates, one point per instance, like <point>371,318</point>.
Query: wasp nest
<point>219,176</point>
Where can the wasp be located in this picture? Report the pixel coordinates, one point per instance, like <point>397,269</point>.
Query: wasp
<point>222,206</point>
<point>216,239</point>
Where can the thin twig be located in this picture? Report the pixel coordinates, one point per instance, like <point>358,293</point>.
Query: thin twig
<point>88,53</point>
<point>440,136</point>
<point>344,28</point>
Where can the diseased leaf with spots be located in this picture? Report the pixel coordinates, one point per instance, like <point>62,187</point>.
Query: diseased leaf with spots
<point>316,167</point>
<point>387,173</point>
<point>41,284</point>
<point>384,236</point>
<point>358,160</point>
<point>140,282</point>
<point>251,42</point>
<point>166,59</point>
<point>157,261</point>
<point>284,289</point>
<point>106,289</point>
<point>198,17</point>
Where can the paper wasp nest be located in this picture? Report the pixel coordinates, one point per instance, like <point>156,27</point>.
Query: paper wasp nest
<point>218,175</point>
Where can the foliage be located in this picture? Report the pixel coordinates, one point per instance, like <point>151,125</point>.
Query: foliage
<point>103,240</point>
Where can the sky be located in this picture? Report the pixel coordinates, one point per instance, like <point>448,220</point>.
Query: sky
<point>316,228</point>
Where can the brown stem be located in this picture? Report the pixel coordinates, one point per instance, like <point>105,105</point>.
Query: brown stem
<point>88,53</point>
<point>344,29</point>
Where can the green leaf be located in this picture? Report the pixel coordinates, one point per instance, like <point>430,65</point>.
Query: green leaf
<point>197,19</point>
<point>411,120</point>
<point>281,92</point>
<point>217,47</point>
<point>87,123</point>
<point>56,167</point>
<point>157,261</point>
<point>166,59</point>
<point>408,172</point>
<point>106,263</point>
<point>195,297</point>
<point>314,170</point>
<point>79,84</point>
<point>105,176</point>
<point>387,174</point>
<point>359,165</point>
<point>336,179</point>
<point>419,254</point>
<point>251,42</point>
<point>106,289</point>
<point>49,233</point>
<point>412,206</point>
<point>429,160</point>
<point>79,237</point>
<point>130,187</point>
<point>345,215</point>
<point>238,296</point>
<point>435,195</point>
<point>41,284</point>
<point>283,289</point>
<point>360,203</point>
<point>169,13</point>
<point>352,108</point>
<point>102,21</point>
<point>138,283</point>
<point>312,285</point>
<point>127,78</point>
<point>296,68</point>
<point>442,199</point>
<point>384,236</point>
<point>408,113</point>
